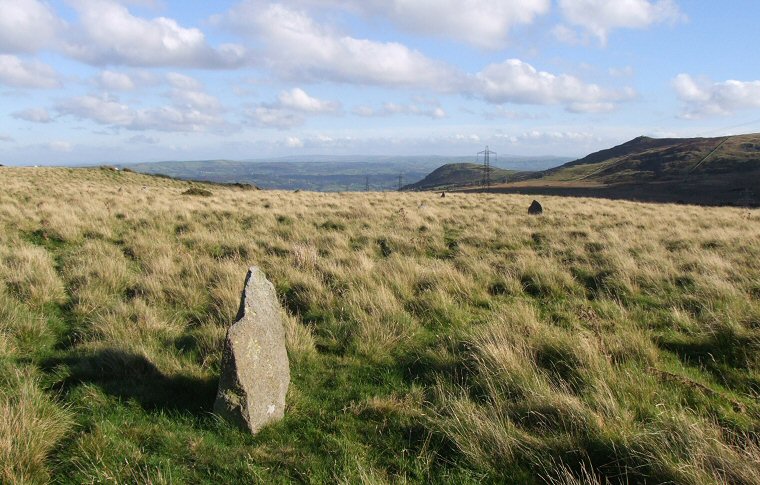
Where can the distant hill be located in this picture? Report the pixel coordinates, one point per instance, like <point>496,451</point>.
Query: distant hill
<point>454,175</point>
<point>290,175</point>
<point>326,173</point>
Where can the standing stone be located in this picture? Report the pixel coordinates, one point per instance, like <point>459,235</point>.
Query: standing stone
<point>255,371</point>
<point>535,208</point>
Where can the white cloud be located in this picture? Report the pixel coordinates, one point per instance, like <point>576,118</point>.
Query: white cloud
<point>274,117</point>
<point>102,109</point>
<point>7,139</point>
<point>26,74</point>
<point>115,81</point>
<point>289,110</point>
<point>297,48</point>
<point>703,97</point>
<point>297,99</point>
<point>198,100</point>
<point>189,93</point>
<point>26,25</point>
<point>566,35</point>
<point>515,81</point>
<point>294,142</point>
<point>482,23</point>
<point>110,111</point>
<point>599,17</point>
<point>428,108</point>
<point>35,115</point>
<point>181,81</point>
<point>109,34</point>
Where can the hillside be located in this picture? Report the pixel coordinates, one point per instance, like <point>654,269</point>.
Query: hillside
<point>459,175</point>
<point>707,171</point>
<point>431,340</point>
<point>658,160</point>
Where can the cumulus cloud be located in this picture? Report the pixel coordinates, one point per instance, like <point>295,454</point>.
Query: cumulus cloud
<point>35,115</point>
<point>108,110</point>
<point>188,92</point>
<point>703,97</point>
<point>515,81</point>
<point>298,48</point>
<point>26,74</point>
<point>599,17</point>
<point>108,33</point>
<point>273,117</point>
<point>299,100</point>
<point>289,110</point>
<point>26,25</point>
<point>182,81</point>
<point>115,81</point>
<point>481,23</point>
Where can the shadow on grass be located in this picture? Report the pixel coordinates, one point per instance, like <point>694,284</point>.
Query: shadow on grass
<point>132,376</point>
<point>727,356</point>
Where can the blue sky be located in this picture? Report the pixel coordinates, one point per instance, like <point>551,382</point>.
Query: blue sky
<point>106,81</point>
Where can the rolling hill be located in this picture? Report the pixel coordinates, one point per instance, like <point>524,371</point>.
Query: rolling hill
<point>713,171</point>
<point>650,159</point>
<point>327,173</point>
<point>459,175</point>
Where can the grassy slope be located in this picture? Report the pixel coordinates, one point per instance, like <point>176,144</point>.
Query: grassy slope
<point>446,340</point>
<point>648,159</point>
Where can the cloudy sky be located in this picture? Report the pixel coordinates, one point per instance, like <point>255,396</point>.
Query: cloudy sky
<point>92,81</point>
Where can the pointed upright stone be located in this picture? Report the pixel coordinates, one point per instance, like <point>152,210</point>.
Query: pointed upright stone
<point>255,373</point>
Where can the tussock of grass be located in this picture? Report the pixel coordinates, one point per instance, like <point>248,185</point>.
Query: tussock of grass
<point>31,424</point>
<point>453,340</point>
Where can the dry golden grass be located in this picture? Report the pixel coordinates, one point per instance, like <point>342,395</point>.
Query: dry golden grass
<point>604,339</point>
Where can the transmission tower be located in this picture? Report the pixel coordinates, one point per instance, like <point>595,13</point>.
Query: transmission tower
<point>487,165</point>
<point>400,181</point>
<point>366,183</point>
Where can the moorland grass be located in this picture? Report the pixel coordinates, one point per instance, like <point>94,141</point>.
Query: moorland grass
<point>449,340</point>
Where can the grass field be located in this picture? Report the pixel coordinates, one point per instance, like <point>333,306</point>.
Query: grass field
<point>450,340</point>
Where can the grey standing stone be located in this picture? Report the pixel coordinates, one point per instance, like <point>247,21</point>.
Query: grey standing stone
<point>535,208</point>
<point>255,372</point>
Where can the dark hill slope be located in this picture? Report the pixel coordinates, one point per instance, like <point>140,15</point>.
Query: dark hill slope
<point>462,175</point>
<point>658,160</point>
<point>709,171</point>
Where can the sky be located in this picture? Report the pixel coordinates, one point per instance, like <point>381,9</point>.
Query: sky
<point>119,81</point>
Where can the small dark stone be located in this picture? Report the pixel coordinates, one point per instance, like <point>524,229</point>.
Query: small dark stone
<point>535,208</point>
<point>443,194</point>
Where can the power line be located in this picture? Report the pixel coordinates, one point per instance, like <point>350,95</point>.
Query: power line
<point>486,165</point>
